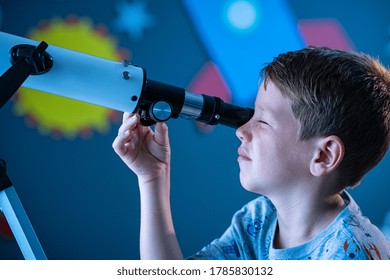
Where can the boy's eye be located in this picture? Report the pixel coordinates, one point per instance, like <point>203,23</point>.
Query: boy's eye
<point>263,122</point>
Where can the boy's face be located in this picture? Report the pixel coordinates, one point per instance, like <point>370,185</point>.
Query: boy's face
<point>271,156</point>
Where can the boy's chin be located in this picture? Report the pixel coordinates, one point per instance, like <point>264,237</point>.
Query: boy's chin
<point>254,188</point>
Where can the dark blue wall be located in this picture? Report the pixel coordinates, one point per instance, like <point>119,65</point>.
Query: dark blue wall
<point>83,201</point>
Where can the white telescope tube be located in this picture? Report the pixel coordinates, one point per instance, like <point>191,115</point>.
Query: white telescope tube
<point>81,76</point>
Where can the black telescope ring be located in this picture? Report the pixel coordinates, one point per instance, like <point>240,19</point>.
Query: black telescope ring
<point>40,60</point>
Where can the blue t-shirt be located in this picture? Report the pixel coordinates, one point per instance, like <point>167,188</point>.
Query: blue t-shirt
<point>351,236</point>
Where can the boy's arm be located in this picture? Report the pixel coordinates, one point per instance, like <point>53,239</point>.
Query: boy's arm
<point>147,154</point>
<point>157,237</point>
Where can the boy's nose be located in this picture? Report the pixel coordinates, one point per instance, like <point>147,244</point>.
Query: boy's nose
<point>243,133</point>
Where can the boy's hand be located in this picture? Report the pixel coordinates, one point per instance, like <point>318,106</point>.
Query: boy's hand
<point>145,152</point>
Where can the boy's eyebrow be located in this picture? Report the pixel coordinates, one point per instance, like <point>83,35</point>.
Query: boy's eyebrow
<point>261,108</point>
<point>267,112</point>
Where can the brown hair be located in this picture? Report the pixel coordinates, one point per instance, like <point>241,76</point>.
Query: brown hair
<point>340,93</point>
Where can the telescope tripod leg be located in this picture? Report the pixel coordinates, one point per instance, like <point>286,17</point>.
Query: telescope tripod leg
<point>20,225</point>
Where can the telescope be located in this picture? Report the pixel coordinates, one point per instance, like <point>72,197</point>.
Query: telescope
<point>117,85</point>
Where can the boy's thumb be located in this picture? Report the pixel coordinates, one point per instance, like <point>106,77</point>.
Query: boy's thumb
<point>161,134</point>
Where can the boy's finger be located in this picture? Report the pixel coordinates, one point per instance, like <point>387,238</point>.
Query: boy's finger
<point>126,115</point>
<point>119,145</point>
<point>129,124</point>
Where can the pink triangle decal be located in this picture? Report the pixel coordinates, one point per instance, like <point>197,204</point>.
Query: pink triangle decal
<point>325,33</point>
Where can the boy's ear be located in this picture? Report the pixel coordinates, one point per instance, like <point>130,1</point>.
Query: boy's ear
<point>327,156</point>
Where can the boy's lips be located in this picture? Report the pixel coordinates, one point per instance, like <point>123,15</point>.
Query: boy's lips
<point>242,154</point>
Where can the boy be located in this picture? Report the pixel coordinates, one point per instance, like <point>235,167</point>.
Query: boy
<point>321,122</point>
